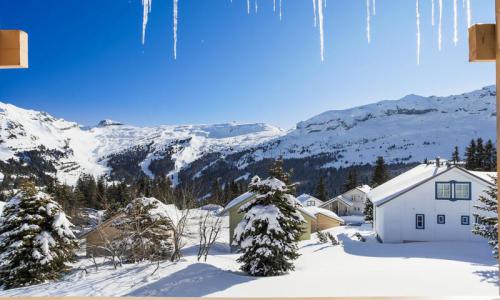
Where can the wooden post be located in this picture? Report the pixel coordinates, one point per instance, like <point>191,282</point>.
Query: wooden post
<point>13,49</point>
<point>497,21</point>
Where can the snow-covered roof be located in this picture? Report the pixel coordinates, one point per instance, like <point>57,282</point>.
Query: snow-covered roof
<point>2,204</point>
<point>318,210</point>
<point>246,196</point>
<point>240,199</point>
<point>365,188</point>
<point>487,176</point>
<point>413,178</point>
<point>306,197</point>
<point>338,198</point>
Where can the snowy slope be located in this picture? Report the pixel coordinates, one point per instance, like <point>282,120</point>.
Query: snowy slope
<point>406,130</point>
<point>350,269</point>
<point>74,149</point>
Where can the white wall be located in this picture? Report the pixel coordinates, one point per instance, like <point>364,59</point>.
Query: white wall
<point>396,218</point>
<point>358,199</point>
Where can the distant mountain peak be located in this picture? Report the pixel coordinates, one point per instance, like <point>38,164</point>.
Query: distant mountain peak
<point>108,122</point>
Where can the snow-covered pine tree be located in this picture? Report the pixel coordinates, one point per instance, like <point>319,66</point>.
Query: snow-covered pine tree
<point>36,241</point>
<point>368,211</point>
<point>268,233</point>
<point>147,229</point>
<point>487,225</point>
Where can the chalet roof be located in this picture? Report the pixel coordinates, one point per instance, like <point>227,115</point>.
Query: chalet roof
<point>248,195</point>
<point>306,197</point>
<point>365,188</point>
<point>415,177</point>
<point>328,213</point>
<point>338,198</point>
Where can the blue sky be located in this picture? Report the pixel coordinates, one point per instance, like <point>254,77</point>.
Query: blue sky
<point>87,62</point>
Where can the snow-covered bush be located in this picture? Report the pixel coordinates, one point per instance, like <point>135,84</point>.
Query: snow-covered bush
<point>147,230</point>
<point>268,233</point>
<point>332,239</point>
<point>36,241</point>
<point>359,237</point>
<point>322,237</point>
<point>486,225</point>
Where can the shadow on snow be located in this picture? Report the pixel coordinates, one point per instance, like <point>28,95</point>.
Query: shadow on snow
<point>471,252</point>
<point>196,280</point>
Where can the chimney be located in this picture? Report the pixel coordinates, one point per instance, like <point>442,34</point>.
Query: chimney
<point>438,161</point>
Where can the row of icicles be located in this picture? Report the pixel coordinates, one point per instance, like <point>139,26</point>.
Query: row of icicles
<point>318,8</point>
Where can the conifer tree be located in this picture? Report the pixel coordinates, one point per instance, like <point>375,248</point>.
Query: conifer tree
<point>321,192</point>
<point>380,174</point>
<point>277,171</point>
<point>489,157</point>
<point>455,156</point>
<point>470,156</point>
<point>352,180</point>
<point>368,211</point>
<point>479,155</point>
<point>36,241</point>
<point>486,225</point>
<point>268,233</point>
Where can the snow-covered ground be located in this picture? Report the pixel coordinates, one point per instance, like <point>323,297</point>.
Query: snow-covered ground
<point>351,269</point>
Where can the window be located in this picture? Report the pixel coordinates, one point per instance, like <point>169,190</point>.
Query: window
<point>453,190</point>
<point>420,221</point>
<point>465,220</point>
<point>441,219</point>
<point>443,190</point>
<point>310,203</point>
<point>462,190</point>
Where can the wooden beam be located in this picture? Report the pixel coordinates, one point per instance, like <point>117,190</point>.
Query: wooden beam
<point>13,49</point>
<point>482,43</point>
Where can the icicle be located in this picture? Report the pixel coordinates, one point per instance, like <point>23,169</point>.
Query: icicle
<point>314,11</point>
<point>368,21</point>
<point>469,15</point>
<point>418,32</point>
<point>433,13</point>
<point>146,4</point>
<point>321,29</point>
<point>374,7</point>
<point>455,22</point>
<point>281,11</point>
<point>440,29</point>
<point>274,5</point>
<point>256,6</point>
<point>176,15</point>
<point>248,6</point>
<point>325,2</point>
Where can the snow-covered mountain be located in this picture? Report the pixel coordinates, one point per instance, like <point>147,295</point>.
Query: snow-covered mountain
<point>406,130</point>
<point>73,149</point>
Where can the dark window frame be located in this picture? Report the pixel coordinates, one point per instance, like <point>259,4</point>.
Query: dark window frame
<point>417,221</point>
<point>462,218</point>
<point>452,184</point>
<point>438,219</point>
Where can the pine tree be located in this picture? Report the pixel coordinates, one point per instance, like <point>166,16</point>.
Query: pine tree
<point>368,211</point>
<point>270,229</point>
<point>487,225</point>
<point>489,157</point>
<point>277,171</point>
<point>321,192</point>
<point>470,156</point>
<point>36,241</point>
<point>455,156</point>
<point>380,174</point>
<point>352,180</point>
<point>479,156</point>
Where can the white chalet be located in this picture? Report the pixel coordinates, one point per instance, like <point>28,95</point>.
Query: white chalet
<point>350,203</point>
<point>431,202</point>
<point>308,200</point>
